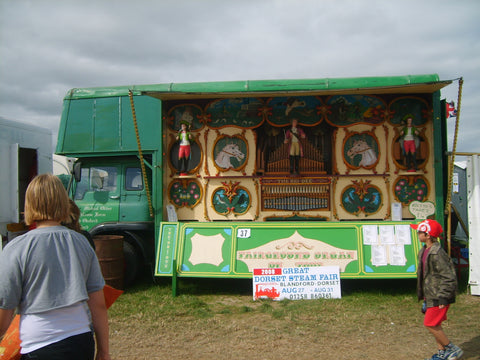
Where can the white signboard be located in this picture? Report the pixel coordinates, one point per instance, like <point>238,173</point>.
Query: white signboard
<point>421,210</point>
<point>297,283</point>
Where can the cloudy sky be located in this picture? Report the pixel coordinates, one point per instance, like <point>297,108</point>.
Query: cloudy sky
<point>50,46</point>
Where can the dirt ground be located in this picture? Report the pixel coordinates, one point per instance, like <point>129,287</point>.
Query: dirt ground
<point>256,335</point>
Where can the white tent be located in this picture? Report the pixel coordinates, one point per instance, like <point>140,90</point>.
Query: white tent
<point>26,150</point>
<point>473,186</point>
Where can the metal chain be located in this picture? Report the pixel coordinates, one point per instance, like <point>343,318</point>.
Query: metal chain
<point>451,165</point>
<point>142,165</point>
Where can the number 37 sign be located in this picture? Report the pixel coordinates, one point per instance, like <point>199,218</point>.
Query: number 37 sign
<point>298,283</point>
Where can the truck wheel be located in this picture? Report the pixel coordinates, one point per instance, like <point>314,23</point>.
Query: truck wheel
<point>132,263</point>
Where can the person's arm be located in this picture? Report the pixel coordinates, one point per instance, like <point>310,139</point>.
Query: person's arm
<point>445,272</point>
<point>6,317</point>
<point>98,309</point>
<point>301,133</point>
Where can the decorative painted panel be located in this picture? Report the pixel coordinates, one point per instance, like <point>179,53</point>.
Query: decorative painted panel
<point>190,113</point>
<point>347,110</point>
<point>361,197</point>
<point>240,112</point>
<point>231,198</point>
<point>185,192</point>
<point>403,107</point>
<point>360,150</point>
<point>306,109</point>
<point>411,188</point>
<point>230,152</point>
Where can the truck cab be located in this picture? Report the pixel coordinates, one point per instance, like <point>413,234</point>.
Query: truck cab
<point>112,198</point>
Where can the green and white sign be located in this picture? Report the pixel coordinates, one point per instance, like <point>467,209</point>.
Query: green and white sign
<point>228,249</point>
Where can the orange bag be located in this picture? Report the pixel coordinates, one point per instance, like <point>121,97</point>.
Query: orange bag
<point>10,345</point>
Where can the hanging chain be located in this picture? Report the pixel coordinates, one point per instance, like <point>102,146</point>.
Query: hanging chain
<point>142,165</point>
<point>451,166</point>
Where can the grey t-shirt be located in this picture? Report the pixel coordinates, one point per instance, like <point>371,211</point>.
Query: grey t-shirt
<point>46,269</point>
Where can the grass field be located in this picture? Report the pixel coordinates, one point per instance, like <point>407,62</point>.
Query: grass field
<point>218,319</point>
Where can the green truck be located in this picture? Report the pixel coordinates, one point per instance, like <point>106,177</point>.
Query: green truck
<point>278,173</point>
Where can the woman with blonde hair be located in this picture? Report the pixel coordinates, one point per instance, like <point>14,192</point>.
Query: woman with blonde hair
<point>51,275</point>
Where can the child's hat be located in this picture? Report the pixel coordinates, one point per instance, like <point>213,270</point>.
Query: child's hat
<point>431,227</point>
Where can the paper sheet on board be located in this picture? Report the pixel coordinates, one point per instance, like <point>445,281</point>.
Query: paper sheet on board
<point>397,255</point>
<point>403,234</point>
<point>387,235</point>
<point>370,234</point>
<point>379,255</point>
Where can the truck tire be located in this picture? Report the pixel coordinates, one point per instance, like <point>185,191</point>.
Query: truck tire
<point>132,263</point>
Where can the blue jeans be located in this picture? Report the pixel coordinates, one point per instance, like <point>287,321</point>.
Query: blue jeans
<point>78,347</point>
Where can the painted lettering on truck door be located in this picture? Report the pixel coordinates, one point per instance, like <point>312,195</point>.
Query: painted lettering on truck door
<point>98,195</point>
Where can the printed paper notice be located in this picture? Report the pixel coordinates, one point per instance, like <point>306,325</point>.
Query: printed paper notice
<point>387,235</point>
<point>379,255</point>
<point>397,255</point>
<point>370,234</point>
<point>403,234</point>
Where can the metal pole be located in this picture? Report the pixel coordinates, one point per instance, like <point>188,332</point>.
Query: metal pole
<point>174,278</point>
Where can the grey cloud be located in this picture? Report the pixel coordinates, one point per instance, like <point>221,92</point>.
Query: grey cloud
<point>49,47</point>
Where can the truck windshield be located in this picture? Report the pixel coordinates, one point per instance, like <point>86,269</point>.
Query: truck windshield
<point>101,178</point>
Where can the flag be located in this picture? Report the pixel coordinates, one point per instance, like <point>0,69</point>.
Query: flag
<point>451,111</point>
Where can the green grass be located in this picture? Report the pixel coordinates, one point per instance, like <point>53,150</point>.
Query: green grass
<point>204,298</point>
<point>369,312</point>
